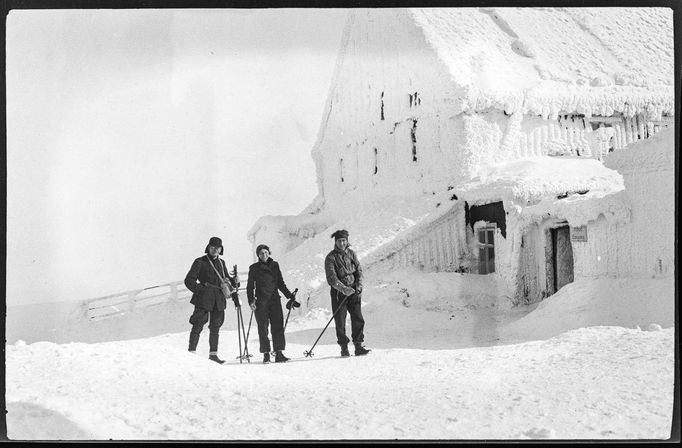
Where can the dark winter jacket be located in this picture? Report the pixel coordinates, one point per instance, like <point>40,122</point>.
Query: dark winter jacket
<point>204,283</point>
<point>343,270</point>
<point>265,279</point>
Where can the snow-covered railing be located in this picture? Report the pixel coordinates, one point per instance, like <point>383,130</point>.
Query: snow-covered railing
<point>128,301</point>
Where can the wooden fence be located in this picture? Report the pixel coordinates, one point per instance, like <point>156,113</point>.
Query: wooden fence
<point>128,301</point>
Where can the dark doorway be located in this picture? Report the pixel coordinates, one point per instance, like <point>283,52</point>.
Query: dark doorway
<point>562,258</point>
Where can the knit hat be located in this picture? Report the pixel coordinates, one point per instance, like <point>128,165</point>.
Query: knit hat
<point>340,234</point>
<point>215,242</point>
<point>261,247</point>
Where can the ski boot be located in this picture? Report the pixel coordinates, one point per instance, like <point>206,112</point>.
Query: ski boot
<point>279,357</point>
<point>344,351</point>
<point>360,350</point>
<point>266,357</point>
<point>215,358</point>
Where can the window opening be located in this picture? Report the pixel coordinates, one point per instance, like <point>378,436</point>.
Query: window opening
<point>486,250</point>
<point>414,140</point>
<point>414,99</point>
<point>382,105</point>
<point>376,160</point>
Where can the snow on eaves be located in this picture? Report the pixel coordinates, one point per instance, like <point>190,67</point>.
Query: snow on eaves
<point>549,99</point>
<point>575,189</point>
<point>533,179</point>
<point>548,61</point>
<point>578,210</point>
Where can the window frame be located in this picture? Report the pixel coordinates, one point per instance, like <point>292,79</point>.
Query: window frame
<point>486,263</point>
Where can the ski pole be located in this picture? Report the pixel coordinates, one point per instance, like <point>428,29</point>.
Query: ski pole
<point>292,305</point>
<point>246,348</point>
<point>239,335</point>
<point>250,319</point>
<point>309,353</point>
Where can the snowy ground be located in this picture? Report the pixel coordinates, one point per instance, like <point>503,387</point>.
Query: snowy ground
<point>461,364</point>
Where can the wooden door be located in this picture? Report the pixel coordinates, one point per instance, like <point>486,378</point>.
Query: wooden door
<point>563,257</point>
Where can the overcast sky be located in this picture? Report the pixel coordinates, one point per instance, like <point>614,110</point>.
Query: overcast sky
<point>135,135</point>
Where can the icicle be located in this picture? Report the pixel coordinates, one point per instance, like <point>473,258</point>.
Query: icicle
<point>641,130</point>
<point>523,145</point>
<point>633,127</point>
<point>545,133</point>
<point>616,136</point>
<point>571,134</point>
<point>556,130</point>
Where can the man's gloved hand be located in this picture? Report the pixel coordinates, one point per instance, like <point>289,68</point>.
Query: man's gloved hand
<point>235,298</point>
<point>358,289</point>
<point>348,291</point>
<point>252,306</point>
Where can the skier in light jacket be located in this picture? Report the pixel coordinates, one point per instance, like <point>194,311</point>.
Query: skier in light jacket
<point>344,275</point>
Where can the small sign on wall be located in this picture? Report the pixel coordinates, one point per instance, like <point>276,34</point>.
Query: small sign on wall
<point>579,234</point>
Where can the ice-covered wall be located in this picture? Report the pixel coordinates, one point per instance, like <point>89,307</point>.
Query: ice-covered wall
<point>629,233</point>
<point>386,115</point>
<point>645,245</point>
<point>436,247</point>
<point>578,135</point>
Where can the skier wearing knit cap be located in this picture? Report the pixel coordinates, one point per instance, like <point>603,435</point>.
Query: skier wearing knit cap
<point>344,275</point>
<point>265,279</point>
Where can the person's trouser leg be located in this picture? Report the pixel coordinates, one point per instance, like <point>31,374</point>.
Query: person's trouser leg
<point>339,317</point>
<point>357,322</point>
<point>261,314</point>
<point>198,319</point>
<point>277,324</point>
<point>216,321</point>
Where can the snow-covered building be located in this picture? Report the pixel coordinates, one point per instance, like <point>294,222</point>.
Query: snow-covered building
<point>477,138</point>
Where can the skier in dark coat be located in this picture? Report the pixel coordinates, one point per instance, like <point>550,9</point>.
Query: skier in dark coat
<point>265,279</point>
<point>204,280</point>
<point>344,275</point>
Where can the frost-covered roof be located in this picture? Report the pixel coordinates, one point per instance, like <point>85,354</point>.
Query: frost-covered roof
<point>595,61</point>
<point>655,153</point>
